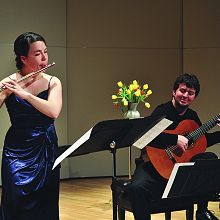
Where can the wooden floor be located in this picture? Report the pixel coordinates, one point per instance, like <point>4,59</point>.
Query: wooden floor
<point>90,199</point>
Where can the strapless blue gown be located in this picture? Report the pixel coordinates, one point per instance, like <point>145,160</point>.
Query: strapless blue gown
<point>30,189</point>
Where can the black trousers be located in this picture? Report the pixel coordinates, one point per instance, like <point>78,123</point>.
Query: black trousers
<point>148,185</point>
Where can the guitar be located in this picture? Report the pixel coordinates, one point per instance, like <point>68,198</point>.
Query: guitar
<point>164,159</point>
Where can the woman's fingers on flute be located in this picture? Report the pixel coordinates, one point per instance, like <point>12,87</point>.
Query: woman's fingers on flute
<point>5,83</point>
<point>10,85</point>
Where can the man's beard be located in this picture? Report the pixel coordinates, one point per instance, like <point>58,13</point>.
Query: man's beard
<point>179,107</point>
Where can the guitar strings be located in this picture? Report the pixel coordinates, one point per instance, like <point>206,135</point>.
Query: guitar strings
<point>195,135</point>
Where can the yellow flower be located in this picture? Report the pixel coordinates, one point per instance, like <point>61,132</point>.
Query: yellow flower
<point>131,93</point>
<point>135,82</point>
<point>149,92</point>
<point>147,104</point>
<point>138,93</point>
<point>145,86</point>
<point>136,86</point>
<point>114,97</point>
<point>131,87</point>
<point>120,84</point>
<point>125,102</point>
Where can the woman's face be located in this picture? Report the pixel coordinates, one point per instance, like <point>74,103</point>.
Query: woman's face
<point>37,57</point>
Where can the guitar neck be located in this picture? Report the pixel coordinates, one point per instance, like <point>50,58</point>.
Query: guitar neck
<point>195,135</point>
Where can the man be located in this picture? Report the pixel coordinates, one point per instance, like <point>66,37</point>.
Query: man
<point>146,182</point>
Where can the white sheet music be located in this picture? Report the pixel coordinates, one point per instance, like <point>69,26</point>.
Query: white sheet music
<point>72,148</point>
<point>152,133</point>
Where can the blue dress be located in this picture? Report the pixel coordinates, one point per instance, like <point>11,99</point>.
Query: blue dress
<point>30,189</point>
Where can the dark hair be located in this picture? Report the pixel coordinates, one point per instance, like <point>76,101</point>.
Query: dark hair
<point>190,80</point>
<point>22,46</point>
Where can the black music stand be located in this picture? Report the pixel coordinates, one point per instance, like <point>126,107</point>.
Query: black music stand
<point>112,135</point>
<point>194,179</point>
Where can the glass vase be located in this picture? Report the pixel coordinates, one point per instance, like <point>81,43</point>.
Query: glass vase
<point>132,111</point>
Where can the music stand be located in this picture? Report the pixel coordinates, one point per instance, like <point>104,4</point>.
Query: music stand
<point>111,135</point>
<point>194,179</point>
<point>114,134</point>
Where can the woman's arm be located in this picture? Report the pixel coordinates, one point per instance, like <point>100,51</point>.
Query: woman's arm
<point>50,107</point>
<point>4,93</point>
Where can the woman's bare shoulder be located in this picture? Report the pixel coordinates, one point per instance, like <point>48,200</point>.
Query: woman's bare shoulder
<point>54,80</point>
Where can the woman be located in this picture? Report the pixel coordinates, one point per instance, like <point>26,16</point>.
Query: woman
<point>30,188</point>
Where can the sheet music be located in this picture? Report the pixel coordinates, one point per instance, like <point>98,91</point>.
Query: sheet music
<point>172,177</point>
<point>72,148</point>
<point>152,133</point>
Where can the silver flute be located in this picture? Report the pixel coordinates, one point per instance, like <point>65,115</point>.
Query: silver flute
<point>2,88</point>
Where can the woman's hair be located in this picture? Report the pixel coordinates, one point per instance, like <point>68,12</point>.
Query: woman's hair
<point>22,46</point>
<point>190,80</point>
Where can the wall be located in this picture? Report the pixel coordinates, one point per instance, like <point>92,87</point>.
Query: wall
<point>97,43</point>
<point>108,41</point>
<point>151,41</point>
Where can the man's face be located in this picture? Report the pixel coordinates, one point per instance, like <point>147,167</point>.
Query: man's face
<point>184,95</point>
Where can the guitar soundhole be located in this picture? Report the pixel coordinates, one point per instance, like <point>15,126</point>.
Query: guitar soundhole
<point>178,152</point>
<point>190,144</point>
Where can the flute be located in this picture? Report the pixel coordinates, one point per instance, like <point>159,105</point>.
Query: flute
<point>2,88</point>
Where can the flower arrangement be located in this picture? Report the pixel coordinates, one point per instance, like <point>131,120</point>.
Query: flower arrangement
<point>133,93</point>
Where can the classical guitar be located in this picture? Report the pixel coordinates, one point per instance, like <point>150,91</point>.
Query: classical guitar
<point>164,159</point>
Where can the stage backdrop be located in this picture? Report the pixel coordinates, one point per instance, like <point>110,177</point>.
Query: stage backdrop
<point>97,43</point>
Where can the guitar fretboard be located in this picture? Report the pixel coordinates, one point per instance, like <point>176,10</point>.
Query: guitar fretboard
<point>195,135</point>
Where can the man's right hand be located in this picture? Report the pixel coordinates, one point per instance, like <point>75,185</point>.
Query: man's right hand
<point>182,142</point>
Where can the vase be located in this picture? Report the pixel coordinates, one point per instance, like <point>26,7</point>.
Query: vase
<point>132,112</point>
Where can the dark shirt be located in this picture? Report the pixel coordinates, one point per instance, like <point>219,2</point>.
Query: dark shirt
<point>169,111</point>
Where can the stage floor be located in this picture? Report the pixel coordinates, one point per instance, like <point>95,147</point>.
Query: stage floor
<point>90,199</point>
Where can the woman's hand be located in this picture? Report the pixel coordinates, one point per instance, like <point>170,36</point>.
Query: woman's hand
<point>15,88</point>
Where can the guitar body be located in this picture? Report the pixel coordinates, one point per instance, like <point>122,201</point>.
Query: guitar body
<point>159,157</point>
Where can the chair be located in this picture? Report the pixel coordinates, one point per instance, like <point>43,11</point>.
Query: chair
<point>121,203</point>
<point>166,206</point>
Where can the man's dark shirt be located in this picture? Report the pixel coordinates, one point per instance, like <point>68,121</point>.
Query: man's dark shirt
<point>168,110</point>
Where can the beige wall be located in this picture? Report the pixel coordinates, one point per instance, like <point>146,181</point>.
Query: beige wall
<point>108,41</point>
<point>124,40</point>
<point>202,51</point>
<point>96,43</point>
